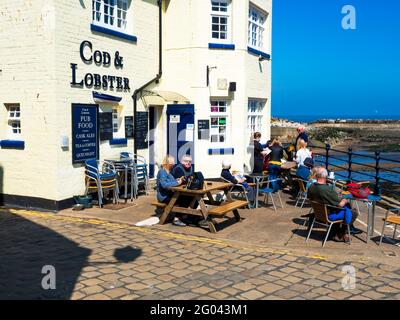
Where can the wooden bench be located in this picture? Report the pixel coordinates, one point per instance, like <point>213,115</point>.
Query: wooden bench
<point>225,208</point>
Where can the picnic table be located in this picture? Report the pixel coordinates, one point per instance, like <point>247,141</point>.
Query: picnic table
<point>217,211</point>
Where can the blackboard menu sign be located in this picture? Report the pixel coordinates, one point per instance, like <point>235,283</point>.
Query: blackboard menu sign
<point>84,132</point>
<point>129,127</point>
<point>203,129</point>
<point>142,128</point>
<point>106,126</point>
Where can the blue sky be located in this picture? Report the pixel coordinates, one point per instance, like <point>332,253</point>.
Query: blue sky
<point>318,68</point>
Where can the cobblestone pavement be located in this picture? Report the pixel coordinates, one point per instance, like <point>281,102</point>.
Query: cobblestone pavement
<point>99,260</point>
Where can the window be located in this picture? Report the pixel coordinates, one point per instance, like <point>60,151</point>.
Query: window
<point>115,120</point>
<point>111,14</point>
<point>255,111</point>
<point>220,20</point>
<point>257,21</point>
<point>14,120</point>
<point>219,121</point>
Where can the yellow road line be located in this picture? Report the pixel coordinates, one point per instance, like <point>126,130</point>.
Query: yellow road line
<point>171,235</point>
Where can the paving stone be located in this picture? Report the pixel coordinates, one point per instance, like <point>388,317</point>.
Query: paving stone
<point>387,289</point>
<point>130,297</point>
<point>92,282</point>
<point>202,290</point>
<point>116,293</point>
<point>269,288</point>
<point>219,295</point>
<point>314,283</point>
<point>136,286</point>
<point>77,295</point>
<point>244,286</point>
<point>165,285</point>
<point>97,297</point>
<point>286,293</point>
<point>339,295</point>
<point>252,295</point>
<point>92,289</point>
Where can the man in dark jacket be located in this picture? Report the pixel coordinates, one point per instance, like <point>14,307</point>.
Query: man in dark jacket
<point>183,169</point>
<point>301,135</point>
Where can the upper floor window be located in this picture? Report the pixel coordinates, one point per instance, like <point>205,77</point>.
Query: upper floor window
<point>257,24</point>
<point>111,14</point>
<point>14,120</point>
<point>255,111</point>
<point>220,20</point>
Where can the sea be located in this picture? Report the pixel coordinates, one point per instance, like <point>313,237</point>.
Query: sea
<point>312,118</point>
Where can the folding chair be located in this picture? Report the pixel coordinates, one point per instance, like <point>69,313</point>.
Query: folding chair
<point>321,217</point>
<point>268,191</point>
<point>239,191</point>
<point>392,219</point>
<point>302,194</point>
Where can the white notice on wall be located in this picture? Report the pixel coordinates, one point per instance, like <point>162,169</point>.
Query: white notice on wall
<point>189,134</point>
<point>175,118</point>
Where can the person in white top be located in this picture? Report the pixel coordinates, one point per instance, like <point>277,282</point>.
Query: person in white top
<point>302,152</point>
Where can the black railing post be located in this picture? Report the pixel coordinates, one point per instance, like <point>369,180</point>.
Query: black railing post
<point>349,171</point>
<point>327,148</point>
<point>377,190</point>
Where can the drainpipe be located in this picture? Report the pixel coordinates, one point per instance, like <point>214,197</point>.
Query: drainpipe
<point>155,79</point>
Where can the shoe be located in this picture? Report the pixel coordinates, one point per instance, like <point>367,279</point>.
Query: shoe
<point>338,238</point>
<point>354,230</point>
<point>347,238</point>
<point>203,223</point>
<point>179,223</point>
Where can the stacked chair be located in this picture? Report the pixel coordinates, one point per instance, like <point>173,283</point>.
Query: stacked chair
<point>138,171</point>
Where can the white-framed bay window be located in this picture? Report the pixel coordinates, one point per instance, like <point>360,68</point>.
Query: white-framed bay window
<point>14,120</point>
<point>256,27</point>
<point>221,21</point>
<point>219,122</point>
<point>255,111</point>
<point>111,14</point>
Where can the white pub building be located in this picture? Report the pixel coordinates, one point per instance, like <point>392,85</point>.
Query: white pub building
<point>93,78</point>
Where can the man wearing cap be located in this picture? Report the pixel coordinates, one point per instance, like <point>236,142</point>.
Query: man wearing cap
<point>226,174</point>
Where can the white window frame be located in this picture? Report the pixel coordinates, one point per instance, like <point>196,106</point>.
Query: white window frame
<point>14,120</point>
<point>115,122</point>
<point>256,39</point>
<point>112,14</point>
<point>255,115</point>
<point>215,9</point>
<point>219,114</point>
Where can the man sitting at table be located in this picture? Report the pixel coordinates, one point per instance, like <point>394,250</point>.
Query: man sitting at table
<point>183,169</point>
<point>321,192</point>
<point>226,174</point>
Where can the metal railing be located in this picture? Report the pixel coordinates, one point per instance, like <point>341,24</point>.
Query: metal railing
<point>379,172</point>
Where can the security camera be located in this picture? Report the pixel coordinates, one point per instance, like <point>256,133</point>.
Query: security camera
<point>261,58</point>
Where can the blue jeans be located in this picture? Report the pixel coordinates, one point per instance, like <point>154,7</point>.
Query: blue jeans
<point>343,214</point>
<point>274,171</point>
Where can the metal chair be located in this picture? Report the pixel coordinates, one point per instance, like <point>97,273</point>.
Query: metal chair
<point>392,219</point>
<point>102,176</point>
<point>239,191</point>
<point>268,191</point>
<point>321,217</point>
<point>138,171</point>
<point>302,194</point>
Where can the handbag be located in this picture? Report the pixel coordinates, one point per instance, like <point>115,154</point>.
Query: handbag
<point>358,191</point>
<point>195,181</point>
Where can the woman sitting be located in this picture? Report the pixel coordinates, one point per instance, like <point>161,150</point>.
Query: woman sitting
<point>226,175</point>
<point>165,180</point>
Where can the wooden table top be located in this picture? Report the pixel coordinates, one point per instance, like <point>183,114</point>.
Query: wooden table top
<point>289,165</point>
<point>208,186</point>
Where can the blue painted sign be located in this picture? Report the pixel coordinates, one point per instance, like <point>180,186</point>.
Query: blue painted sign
<point>85,143</point>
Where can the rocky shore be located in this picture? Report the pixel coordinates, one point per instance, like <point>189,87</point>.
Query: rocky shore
<point>365,135</point>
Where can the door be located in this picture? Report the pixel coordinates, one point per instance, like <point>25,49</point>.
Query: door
<point>180,133</point>
<point>152,139</point>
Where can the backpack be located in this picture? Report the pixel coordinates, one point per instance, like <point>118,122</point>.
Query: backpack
<point>195,181</point>
<point>357,190</point>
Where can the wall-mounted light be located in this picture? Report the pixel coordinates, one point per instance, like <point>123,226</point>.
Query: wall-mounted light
<point>261,58</point>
